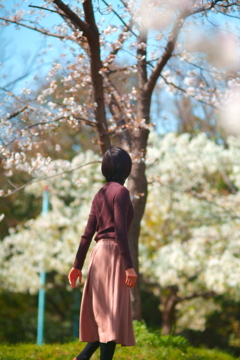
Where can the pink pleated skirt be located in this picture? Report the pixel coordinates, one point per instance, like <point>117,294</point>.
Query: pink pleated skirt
<point>106,313</point>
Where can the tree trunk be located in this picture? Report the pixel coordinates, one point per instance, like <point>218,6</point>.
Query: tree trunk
<point>137,186</point>
<point>97,79</point>
<point>90,31</point>
<point>137,183</point>
<point>169,302</point>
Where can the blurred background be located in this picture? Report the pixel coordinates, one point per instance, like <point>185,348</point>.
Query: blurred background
<point>189,244</point>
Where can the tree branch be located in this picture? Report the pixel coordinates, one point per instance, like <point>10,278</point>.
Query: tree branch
<point>11,93</point>
<point>121,19</point>
<point>203,8</point>
<point>205,295</point>
<point>184,91</point>
<point>229,15</point>
<point>61,13</point>
<point>126,68</point>
<point>88,122</point>
<point>50,177</point>
<point>89,16</point>
<point>172,84</point>
<point>227,181</point>
<point>76,21</point>
<point>171,44</point>
<point>115,48</point>
<point>10,182</point>
<point>115,94</point>
<point>44,32</point>
<point>97,79</point>
<point>129,10</point>
<point>42,8</point>
<point>149,86</point>
<point>118,110</point>
<point>16,113</point>
<point>237,3</point>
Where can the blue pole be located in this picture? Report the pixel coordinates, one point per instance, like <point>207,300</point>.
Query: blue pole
<point>41,294</point>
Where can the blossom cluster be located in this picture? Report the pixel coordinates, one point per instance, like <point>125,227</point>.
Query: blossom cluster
<point>191,228</point>
<point>50,241</point>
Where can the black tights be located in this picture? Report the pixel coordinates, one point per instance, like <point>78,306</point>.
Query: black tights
<point>106,350</point>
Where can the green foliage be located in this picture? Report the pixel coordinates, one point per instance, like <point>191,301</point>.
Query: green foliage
<point>18,315</point>
<point>142,351</point>
<point>222,328</point>
<point>154,339</point>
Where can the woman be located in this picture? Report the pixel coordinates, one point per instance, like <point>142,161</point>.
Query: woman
<point>105,316</point>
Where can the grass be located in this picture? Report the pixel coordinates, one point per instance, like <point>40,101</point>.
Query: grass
<point>150,346</point>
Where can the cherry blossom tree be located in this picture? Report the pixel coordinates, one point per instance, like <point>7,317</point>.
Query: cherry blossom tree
<point>190,242</point>
<point>49,242</point>
<point>166,43</point>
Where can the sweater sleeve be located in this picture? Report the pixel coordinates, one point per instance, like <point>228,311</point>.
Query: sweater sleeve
<point>121,206</point>
<point>86,239</point>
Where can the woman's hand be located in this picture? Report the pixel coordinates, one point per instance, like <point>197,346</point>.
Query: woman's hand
<point>131,278</point>
<point>73,275</point>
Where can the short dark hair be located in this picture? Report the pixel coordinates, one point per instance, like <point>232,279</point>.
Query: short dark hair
<point>116,165</point>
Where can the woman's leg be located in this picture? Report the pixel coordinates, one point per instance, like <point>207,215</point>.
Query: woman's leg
<point>89,349</point>
<point>107,350</point>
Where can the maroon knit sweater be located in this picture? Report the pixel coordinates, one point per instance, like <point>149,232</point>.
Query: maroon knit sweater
<point>111,216</point>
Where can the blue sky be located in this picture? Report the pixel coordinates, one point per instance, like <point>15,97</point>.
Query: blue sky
<point>20,48</point>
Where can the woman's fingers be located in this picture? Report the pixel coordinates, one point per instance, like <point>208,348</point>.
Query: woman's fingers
<point>72,281</point>
<point>131,278</point>
<point>73,275</point>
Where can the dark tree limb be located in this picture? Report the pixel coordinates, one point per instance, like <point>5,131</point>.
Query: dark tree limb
<point>16,113</point>
<point>167,53</point>
<point>74,18</point>
<point>90,19</point>
<point>44,32</point>
<point>213,4</point>
<point>43,8</point>
<point>90,31</point>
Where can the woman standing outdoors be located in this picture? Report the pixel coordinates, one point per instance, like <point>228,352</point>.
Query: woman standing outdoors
<point>106,316</point>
